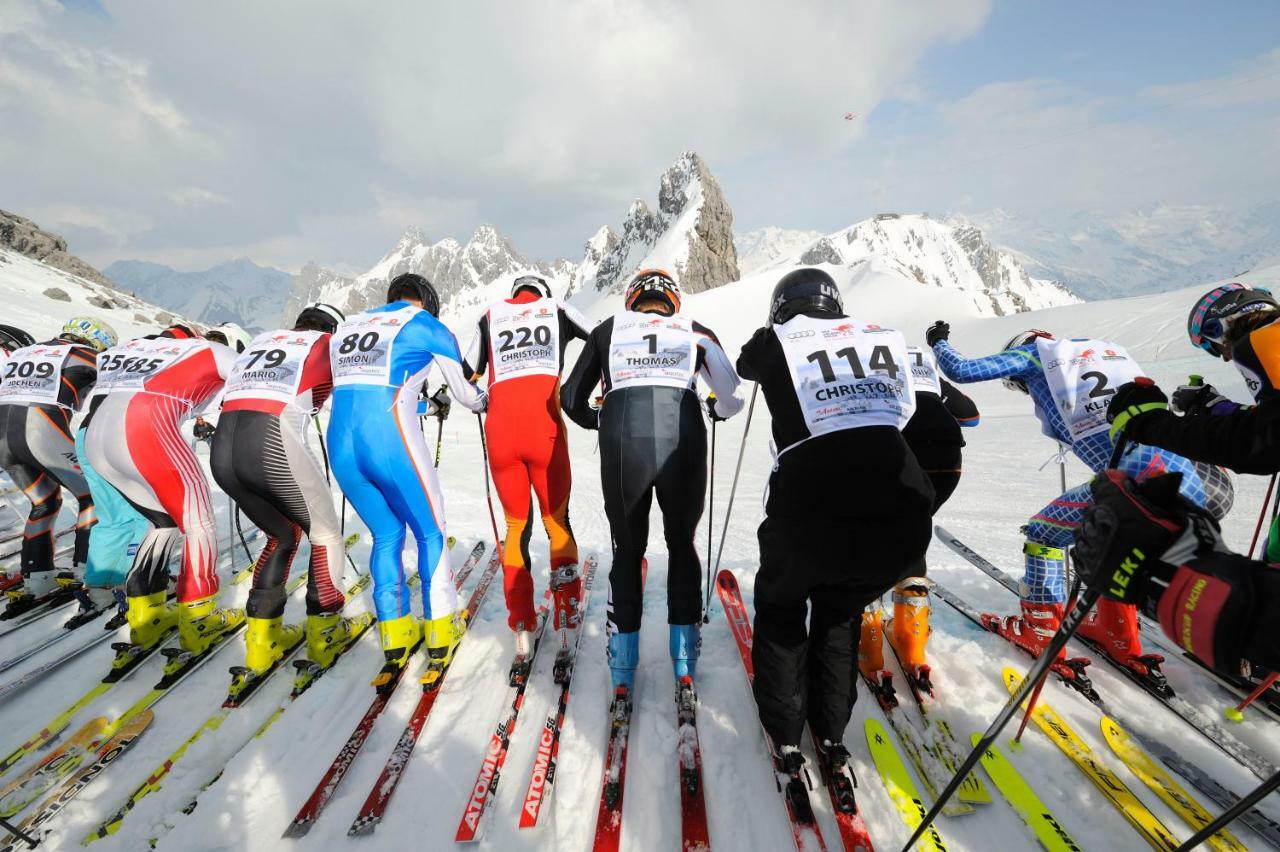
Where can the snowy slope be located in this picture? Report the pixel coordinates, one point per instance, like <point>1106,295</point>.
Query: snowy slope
<point>764,246</point>
<point>1004,483</point>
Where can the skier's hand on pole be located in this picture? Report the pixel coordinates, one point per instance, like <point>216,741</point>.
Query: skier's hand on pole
<point>1132,400</point>
<point>940,330</point>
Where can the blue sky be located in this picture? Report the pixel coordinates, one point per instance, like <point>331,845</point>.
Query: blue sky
<point>189,133</point>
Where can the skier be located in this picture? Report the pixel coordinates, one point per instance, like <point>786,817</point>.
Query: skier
<point>1240,325</point>
<point>647,358</point>
<point>1071,383</point>
<point>147,388</point>
<point>934,435</point>
<point>41,387</point>
<point>259,457</point>
<point>1219,606</point>
<point>380,361</point>
<point>521,342</point>
<point>839,391</point>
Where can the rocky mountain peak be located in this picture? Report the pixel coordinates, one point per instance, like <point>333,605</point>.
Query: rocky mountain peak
<point>29,239</point>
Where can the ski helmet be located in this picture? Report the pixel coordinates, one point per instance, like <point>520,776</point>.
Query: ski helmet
<point>411,285</point>
<point>533,283</point>
<point>93,332</point>
<point>801,291</point>
<point>180,331</point>
<point>232,335</point>
<point>12,337</point>
<point>320,317</point>
<point>1022,338</point>
<point>653,285</point>
<point>1212,313</point>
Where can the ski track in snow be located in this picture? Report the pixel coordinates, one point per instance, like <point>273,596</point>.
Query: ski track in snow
<point>269,779</point>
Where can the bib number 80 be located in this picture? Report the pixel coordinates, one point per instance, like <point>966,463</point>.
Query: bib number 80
<point>364,342</point>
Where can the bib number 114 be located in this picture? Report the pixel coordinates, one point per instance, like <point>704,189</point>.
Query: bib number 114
<point>881,362</point>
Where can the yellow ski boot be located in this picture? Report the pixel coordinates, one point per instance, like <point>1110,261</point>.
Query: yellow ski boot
<point>441,635</point>
<point>150,618</point>
<point>201,624</point>
<point>266,641</point>
<point>329,634</point>
<point>909,631</point>
<point>400,637</point>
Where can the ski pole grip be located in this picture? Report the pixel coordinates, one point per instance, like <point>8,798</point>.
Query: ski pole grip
<point>1195,380</point>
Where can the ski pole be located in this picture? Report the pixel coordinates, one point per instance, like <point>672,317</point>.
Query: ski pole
<point>1236,714</point>
<point>439,439</point>
<point>240,533</point>
<point>1259,793</point>
<point>1070,624</point>
<point>31,842</point>
<point>1035,693</point>
<point>488,492</point>
<point>711,515</point>
<point>324,451</point>
<point>733,489</point>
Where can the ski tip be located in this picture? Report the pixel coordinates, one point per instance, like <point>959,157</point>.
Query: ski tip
<point>297,829</point>
<point>363,826</point>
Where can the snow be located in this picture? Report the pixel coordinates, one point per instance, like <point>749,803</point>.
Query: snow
<point>762,247</point>
<point>1006,480</point>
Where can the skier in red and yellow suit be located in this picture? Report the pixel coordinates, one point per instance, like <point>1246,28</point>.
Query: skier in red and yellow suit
<point>521,342</point>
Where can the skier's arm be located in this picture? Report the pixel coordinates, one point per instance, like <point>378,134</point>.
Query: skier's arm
<point>78,375</point>
<point>476,360</point>
<point>961,407</point>
<point>1246,441</point>
<point>1012,363</point>
<point>719,375</point>
<point>747,366</point>
<point>574,324</point>
<point>575,395</point>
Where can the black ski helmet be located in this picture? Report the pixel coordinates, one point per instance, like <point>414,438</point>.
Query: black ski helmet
<point>533,283</point>
<point>320,317</point>
<point>12,337</point>
<point>414,286</point>
<point>801,291</point>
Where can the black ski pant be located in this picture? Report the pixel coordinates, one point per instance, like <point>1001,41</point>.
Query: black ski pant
<point>653,442</point>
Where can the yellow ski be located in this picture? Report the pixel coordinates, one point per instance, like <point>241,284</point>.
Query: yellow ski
<point>1107,782</point>
<point>1163,785</point>
<point>1024,801</point>
<point>897,781</point>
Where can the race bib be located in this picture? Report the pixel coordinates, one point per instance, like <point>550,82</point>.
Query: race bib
<point>1083,376</point>
<point>846,374</point>
<point>924,370</point>
<point>271,368</point>
<point>652,350</point>
<point>360,350</point>
<point>33,374</point>
<point>524,340</point>
<point>128,367</point>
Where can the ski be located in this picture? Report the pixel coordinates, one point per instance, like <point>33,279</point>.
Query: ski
<point>1194,717</point>
<point>85,617</point>
<point>59,763</point>
<point>375,805</point>
<point>841,783</point>
<point>897,781</point>
<point>793,787</point>
<point>332,777</point>
<point>543,775</point>
<point>1163,785</point>
<point>609,814</point>
<point>1024,801</point>
<point>119,742</point>
<point>694,833</point>
<point>1147,824</point>
<point>485,789</point>
<point>20,683</point>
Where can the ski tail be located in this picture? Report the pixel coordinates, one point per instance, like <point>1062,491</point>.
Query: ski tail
<point>897,781</point>
<point>1024,801</point>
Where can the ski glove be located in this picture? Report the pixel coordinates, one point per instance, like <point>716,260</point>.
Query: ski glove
<point>1195,400</point>
<point>203,429</point>
<point>440,404</point>
<point>1133,399</point>
<point>940,330</point>
<point>711,409</point>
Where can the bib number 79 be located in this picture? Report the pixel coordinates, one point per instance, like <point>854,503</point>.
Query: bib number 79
<point>881,361</point>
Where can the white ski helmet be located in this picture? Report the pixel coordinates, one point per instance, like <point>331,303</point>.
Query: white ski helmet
<point>232,335</point>
<point>1022,338</point>
<point>532,282</point>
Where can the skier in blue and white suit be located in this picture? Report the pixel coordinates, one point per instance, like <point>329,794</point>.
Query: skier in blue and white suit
<point>1071,383</point>
<point>380,360</point>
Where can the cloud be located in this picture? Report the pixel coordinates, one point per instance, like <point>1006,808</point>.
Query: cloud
<point>1256,81</point>
<point>546,117</point>
<point>194,196</point>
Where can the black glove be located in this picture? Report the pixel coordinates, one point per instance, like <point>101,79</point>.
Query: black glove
<point>1194,400</point>
<point>940,330</point>
<point>1124,535</point>
<point>203,429</point>
<point>440,404</point>
<point>710,404</point>
<point>1133,399</point>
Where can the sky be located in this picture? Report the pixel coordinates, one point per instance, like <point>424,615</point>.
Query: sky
<point>189,133</point>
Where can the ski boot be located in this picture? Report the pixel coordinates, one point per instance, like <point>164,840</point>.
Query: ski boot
<point>871,660</point>
<point>267,640</point>
<point>400,637</point>
<point>623,652</point>
<point>685,644</point>
<point>441,636</point>
<point>1112,628</point>
<point>93,602</point>
<point>201,625</point>
<point>1032,631</point>
<point>566,594</point>
<point>37,589</point>
<point>834,761</point>
<point>329,634</point>
<point>909,632</point>
<point>151,618</point>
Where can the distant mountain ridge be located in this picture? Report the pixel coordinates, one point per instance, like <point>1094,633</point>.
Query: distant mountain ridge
<point>238,291</point>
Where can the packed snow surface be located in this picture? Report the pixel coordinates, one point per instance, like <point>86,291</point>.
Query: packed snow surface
<point>1007,478</point>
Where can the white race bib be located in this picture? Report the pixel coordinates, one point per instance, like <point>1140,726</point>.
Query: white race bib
<point>128,367</point>
<point>524,340</point>
<point>652,350</point>
<point>271,368</point>
<point>847,374</point>
<point>924,370</point>
<point>1083,375</point>
<point>33,374</point>
<point>360,350</point>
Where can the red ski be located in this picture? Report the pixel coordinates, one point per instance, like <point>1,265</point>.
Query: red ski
<point>695,836</point>
<point>323,793</point>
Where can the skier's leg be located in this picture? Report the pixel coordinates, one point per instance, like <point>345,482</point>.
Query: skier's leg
<point>833,639</point>
<point>41,490</point>
<point>52,446</point>
<point>681,491</point>
<point>628,494</point>
<point>779,653</point>
<point>511,481</point>
<point>551,479</point>
<point>118,533</point>
<point>306,498</point>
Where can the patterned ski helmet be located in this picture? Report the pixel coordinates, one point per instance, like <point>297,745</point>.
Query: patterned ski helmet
<point>653,284</point>
<point>1212,313</point>
<point>93,331</point>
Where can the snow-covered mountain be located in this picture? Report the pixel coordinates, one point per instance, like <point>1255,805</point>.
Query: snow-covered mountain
<point>1144,251</point>
<point>765,246</point>
<point>237,291</point>
<point>26,238</point>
